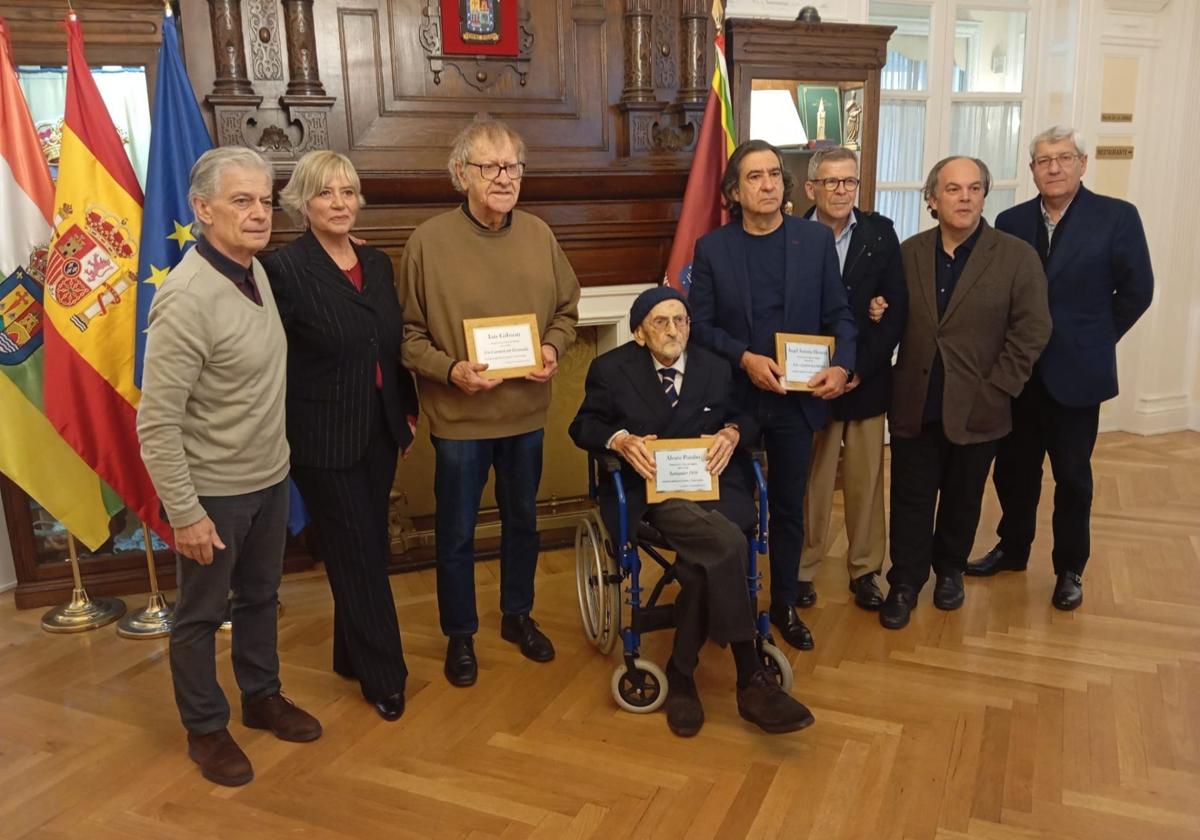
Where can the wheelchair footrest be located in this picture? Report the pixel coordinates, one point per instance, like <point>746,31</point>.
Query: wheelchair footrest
<point>648,619</point>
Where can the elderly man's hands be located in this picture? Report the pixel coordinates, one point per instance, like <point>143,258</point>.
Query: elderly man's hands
<point>633,449</point>
<point>723,445</point>
<point>549,365</point>
<point>466,376</point>
<point>764,372</point>
<point>197,541</point>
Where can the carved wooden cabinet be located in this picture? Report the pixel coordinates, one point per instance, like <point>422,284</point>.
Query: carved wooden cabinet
<point>807,85</point>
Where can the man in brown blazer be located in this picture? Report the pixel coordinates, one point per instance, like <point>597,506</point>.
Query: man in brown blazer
<point>978,319</point>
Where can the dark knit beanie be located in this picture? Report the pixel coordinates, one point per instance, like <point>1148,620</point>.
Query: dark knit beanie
<point>651,298</point>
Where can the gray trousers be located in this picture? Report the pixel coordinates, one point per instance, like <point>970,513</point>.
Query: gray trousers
<point>253,527</point>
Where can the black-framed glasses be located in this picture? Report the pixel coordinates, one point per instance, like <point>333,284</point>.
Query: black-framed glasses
<point>491,171</point>
<point>1063,160</point>
<point>831,184</point>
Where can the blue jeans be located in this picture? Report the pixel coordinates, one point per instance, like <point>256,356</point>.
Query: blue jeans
<point>461,471</point>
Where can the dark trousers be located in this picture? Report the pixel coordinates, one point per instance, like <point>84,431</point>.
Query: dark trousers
<point>787,438</point>
<point>1044,426</point>
<point>245,576</point>
<point>937,491</point>
<point>460,473</point>
<point>710,565</point>
<point>349,514</point>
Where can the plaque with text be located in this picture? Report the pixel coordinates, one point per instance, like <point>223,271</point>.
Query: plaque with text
<point>509,345</point>
<point>801,357</point>
<point>681,471</point>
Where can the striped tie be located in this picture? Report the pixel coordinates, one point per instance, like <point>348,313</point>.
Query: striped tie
<point>668,385</point>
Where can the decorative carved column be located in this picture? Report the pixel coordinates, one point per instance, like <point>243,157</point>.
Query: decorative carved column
<point>305,102</point>
<point>638,106</point>
<point>639,44</point>
<point>233,99</point>
<point>694,83</point>
<point>304,79</point>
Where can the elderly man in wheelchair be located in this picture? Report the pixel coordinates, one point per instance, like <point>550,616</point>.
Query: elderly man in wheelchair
<point>656,388</point>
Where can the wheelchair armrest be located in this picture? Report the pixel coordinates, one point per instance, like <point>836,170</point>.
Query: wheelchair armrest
<point>608,463</point>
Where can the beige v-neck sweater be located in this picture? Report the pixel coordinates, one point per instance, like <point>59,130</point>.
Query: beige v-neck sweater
<point>211,418</point>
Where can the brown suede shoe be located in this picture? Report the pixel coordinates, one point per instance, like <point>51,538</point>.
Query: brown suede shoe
<point>769,707</point>
<point>283,717</point>
<point>221,760</point>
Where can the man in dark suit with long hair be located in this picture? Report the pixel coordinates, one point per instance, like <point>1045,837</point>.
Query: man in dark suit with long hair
<point>1100,282</point>
<point>762,274</point>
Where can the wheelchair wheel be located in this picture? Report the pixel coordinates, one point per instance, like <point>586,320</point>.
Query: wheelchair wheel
<point>777,665</point>
<point>641,690</point>
<point>597,582</point>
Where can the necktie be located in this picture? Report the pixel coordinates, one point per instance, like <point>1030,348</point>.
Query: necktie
<point>668,385</point>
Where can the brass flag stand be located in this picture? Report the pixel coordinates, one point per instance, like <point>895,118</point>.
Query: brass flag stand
<point>154,620</point>
<point>82,613</point>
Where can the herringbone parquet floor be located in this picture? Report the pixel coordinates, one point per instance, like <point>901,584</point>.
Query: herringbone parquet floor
<point>1004,720</point>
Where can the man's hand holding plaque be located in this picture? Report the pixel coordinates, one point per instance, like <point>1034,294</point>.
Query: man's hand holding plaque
<point>687,468</point>
<point>506,347</point>
<point>804,361</point>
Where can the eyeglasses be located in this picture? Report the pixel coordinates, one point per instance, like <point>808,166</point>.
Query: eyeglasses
<point>491,171</point>
<point>1064,160</point>
<point>831,184</point>
<point>660,322</point>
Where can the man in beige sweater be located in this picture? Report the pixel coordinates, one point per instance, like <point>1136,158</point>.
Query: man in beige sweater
<point>485,259</point>
<point>211,426</point>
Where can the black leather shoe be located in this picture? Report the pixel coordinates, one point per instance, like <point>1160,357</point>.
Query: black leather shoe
<point>901,601</point>
<point>523,630</point>
<point>791,628</point>
<point>461,668</point>
<point>685,715</point>
<point>806,596</point>
<point>948,594</point>
<point>390,707</point>
<point>996,560</point>
<point>866,592</point>
<point>1068,591</point>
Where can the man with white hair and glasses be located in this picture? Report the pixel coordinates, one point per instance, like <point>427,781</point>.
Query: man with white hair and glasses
<point>1097,264</point>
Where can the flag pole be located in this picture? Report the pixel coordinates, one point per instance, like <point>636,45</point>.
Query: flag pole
<point>81,613</point>
<point>154,620</point>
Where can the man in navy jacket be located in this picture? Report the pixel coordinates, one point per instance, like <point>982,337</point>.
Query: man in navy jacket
<point>1100,282</point>
<point>761,274</point>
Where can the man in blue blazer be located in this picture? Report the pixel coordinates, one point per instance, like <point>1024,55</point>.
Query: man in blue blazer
<point>1100,282</point>
<point>762,274</point>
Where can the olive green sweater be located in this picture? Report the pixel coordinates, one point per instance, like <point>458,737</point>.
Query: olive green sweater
<point>452,269</point>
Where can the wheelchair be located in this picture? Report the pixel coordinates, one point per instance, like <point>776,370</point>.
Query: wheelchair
<point>602,566</point>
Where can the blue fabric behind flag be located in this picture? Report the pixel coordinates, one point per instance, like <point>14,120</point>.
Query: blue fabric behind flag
<point>177,138</point>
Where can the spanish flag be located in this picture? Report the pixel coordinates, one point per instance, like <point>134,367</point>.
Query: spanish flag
<point>31,452</point>
<point>91,294</point>
<point>703,208</point>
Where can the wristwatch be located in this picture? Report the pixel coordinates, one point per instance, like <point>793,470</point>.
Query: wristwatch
<point>849,372</point>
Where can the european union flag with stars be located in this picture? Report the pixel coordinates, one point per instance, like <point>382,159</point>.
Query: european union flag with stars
<point>177,138</point>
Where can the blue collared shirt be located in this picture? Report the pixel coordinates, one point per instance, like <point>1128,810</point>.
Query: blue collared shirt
<point>842,242</point>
